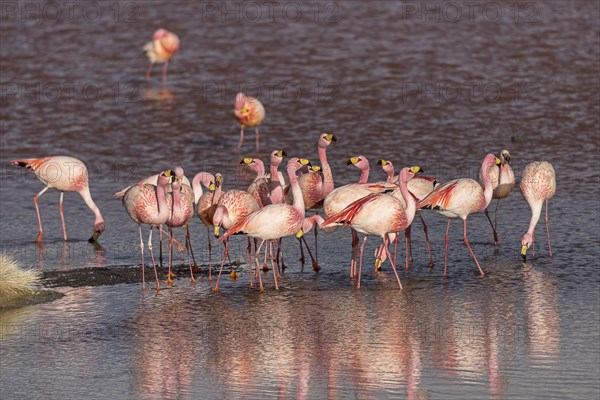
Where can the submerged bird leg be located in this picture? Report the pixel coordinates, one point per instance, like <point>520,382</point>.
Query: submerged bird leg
<point>280,254</point>
<point>170,274</point>
<point>469,246</point>
<point>225,255</point>
<point>142,250</point>
<point>62,216</point>
<point>312,259</point>
<point>362,249</point>
<point>37,210</point>
<point>492,225</point>
<point>446,254</point>
<point>408,246</point>
<point>152,258</point>
<point>548,229</point>
<point>427,241</point>
<point>354,251</point>
<point>393,267</point>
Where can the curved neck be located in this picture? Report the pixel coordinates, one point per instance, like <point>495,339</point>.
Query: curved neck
<point>536,210</point>
<point>296,191</point>
<point>274,173</point>
<point>220,214</point>
<point>408,198</point>
<point>390,175</point>
<point>163,210</point>
<point>197,184</point>
<point>327,175</point>
<point>87,197</point>
<point>176,198</point>
<point>260,168</point>
<point>364,175</point>
<point>488,190</point>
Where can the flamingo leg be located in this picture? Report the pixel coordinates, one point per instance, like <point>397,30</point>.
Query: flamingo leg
<point>189,239</point>
<point>496,217</point>
<point>62,215</point>
<point>265,267</point>
<point>393,267</point>
<point>164,72</point>
<point>492,225</point>
<point>188,247</point>
<point>152,258</point>
<point>316,242</point>
<point>408,244</point>
<point>396,241</point>
<point>427,241</point>
<point>149,71</point>
<point>312,259</point>
<point>362,249</point>
<point>37,210</point>
<point>256,253</point>
<point>470,248</point>
<point>160,253</point>
<point>548,229</point>
<point>250,263</point>
<point>256,274</point>
<point>354,251</point>
<point>446,253</point>
<point>273,264</point>
<point>142,250</point>
<point>301,254</point>
<point>257,140</point>
<point>241,137</point>
<point>209,255</point>
<point>225,254</point>
<point>170,274</point>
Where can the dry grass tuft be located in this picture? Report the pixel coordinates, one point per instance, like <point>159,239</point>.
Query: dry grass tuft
<point>15,281</point>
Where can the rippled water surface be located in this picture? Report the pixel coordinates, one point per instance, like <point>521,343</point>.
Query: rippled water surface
<point>417,83</point>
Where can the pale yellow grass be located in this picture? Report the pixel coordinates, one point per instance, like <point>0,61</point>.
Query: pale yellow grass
<point>14,280</point>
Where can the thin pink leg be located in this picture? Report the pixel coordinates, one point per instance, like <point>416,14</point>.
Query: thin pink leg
<point>257,140</point>
<point>170,274</point>
<point>446,254</point>
<point>273,265</point>
<point>164,72</point>
<point>256,253</point>
<point>188,245</point>
<point>496,219</point>
<point>396,241</point>
<point>548,229</point>
<point>149,71</point>
<point>354,251</point>
<point>152,258</point>
<point>408,244</point>
<point>241,137</point>
<point>407,249</point>
<point>394,268</point>
<point>316,243</point>
<point>362,249</point>
<point>37,210</point>
<point>469,246</point>
<point>265,267</point>
<point>209,255</point>
<point>142,250</point>
<point>216,288</point>
<point>250,263</point>
<point>427,241</point>
<point>62,215</point>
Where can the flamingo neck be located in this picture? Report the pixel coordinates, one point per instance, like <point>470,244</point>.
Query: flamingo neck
<point>536,210</point>
<point>176,199</point>
<point>276,188</point>
<point>163,209</point>
<point>327,174</point>
<point>364,175</point>
<point>296,191</point>
<point>390,176</point>
<point>220,215</point>
<point>411,207</point>
<point>274,173</point>
<point>488,190</point>
<point>87,198</point>
<point>197,184</point>
<point>260,169</point>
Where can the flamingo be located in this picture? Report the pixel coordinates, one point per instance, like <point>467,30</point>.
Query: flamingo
<point>260,187</point>
<point>538,185</point>
<point>181,202</point>
<point>315,187</point>
<point>380,214</point>
<point>233,206</point>
<point>207,203</point>
<point>419,187</point>
<point>249,112</point>
<point>503,182</point>
<point>163,46</point>
<point>459,198</point>
<point>65,174</point>
<point>147,204</point>
<point>275,220</point>
<point>276,192</point>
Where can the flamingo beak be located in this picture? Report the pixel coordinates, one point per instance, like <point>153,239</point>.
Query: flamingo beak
<point>217,229</point>
<point>383,163</point>
<point>299,234</point>
<point>524,252</point>
<point>497,161</point>
<point>246,160</point>
<point>331,138</point>
<point>281,154</point>
<point>507,157</point>
<point>353,160</point>
<point>95,237</point>
<point>416,169</point>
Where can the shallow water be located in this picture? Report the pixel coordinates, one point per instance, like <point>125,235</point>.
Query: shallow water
<point>391,80</point>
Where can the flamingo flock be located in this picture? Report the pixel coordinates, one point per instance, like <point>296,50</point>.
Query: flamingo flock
<point>274,205</point>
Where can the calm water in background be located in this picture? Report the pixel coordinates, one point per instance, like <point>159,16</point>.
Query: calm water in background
<point>400,81</point>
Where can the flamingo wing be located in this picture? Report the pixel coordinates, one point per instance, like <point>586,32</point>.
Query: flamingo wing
<point>347,214</point>
<point>439,198</point>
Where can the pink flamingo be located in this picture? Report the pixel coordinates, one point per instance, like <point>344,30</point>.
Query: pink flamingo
<point>147,204</point>
<point>315,187</point>
<point>538,185</point>
<point>459,198</point>
<point>234,205</point>
<point>260,187</point>
<point>163,46</point>
<point>276,192</point>
<point>249,112</point>
<point>380,214</point>
<point>181,202</point>
<point>275,220</point>
<point>419,187</point>
<point>65,174</point>
<point>503,182</point>
<point>207,204</point>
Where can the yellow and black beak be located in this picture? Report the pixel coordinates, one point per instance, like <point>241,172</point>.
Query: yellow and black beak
<point>507,157</point>
<point>316,168</point>
<point>247,160</point>
<point>383,163</point>
<point>353,160</point>
<point>212,187</point>
<point>299,234</point>
<point>524,252</point>
<point>217,231</point>
<point>416,169</point>
<point>330,137</point>
<point>281,153</point>
<point>95,237</point>
<point>497,161</point>
<point>304,161</point>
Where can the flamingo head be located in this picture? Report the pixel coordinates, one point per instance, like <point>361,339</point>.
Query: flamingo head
<point>360,162</point>
<point>165,178</point>
<point>218,180</point>
<point>179,176</point>
<point>526,242</point>
<point>387,166</point>
<point>488,162</point>
<point>277,157</point>
<point>315,168</point>
<point>325,140</point>
<point>406,174</point>
<point>168,40</point>
<point>218,219</point>
<point>99,227</point>
<point>295,163</point>
<point>505,156</point>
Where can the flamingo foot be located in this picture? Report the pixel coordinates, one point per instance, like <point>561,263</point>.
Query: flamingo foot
<point>170,275</point>
<point>431,264</point>
<point>234,275</point>
<point>169,281</point>
<point>196,269</point>
<point>192,280</point>
<point>315,266</point>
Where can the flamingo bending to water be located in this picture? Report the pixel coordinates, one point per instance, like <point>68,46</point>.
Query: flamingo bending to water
<point>538,185</point>
<point>275,220</point>
<point>65,174</point>
<point>459,198</point>
<point>249,112</point>
<point>207,204</point>
<point>503,182</point>
<point>163,46</point>
<point>147,204</point>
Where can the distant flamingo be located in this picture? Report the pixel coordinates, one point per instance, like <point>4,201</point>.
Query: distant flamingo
<point>249,112</point>
<point>459,198</point>
<point>380,215</point>
<point>234,205</point>
<point>503,182</point>
<point>419,187</point>
<point>315,187</point>
<point>65,174</point>
<point>538,185</point>
<point>276,220</point>
<point>181,203</point>
<point>147,204</point>
<point>207,204</point>
<point>163,46</point>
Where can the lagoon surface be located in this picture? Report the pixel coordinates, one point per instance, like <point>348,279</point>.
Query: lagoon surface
<point>434,84</point>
